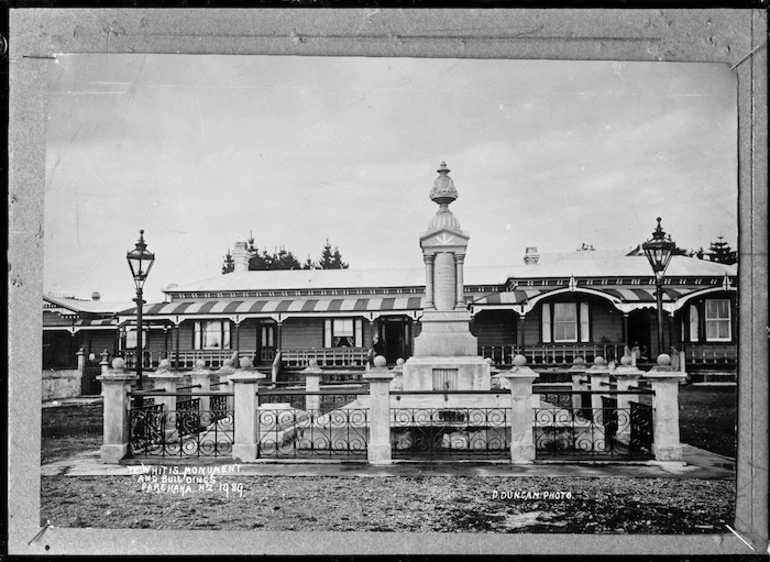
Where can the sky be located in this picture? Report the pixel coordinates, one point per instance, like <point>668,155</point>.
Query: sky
<point>201,150</point>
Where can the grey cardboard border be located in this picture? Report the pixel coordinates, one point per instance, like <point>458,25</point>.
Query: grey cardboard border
<point>726,36</point>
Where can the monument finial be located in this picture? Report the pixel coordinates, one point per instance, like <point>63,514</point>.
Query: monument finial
<point>444,191</point>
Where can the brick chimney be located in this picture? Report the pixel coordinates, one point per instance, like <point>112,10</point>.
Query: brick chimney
<point>241,256</point>
<point>531,257</point>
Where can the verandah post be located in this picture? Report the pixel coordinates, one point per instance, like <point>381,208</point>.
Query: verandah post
<point>245,417</point>
<point>520,379</point>
<point>665,409</point>
<point>379,448</point>
<point>115,388</point>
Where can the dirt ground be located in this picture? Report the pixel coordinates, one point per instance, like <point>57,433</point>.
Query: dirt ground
<point>404,503</point>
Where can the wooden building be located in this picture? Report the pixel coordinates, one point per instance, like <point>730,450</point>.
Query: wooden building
<point>552,308</point>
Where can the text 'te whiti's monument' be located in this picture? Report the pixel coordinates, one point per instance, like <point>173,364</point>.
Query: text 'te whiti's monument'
<point>445,353</point>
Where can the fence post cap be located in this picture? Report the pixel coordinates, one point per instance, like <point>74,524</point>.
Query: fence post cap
<point>379,371</point>
<point>399,362</point>
<point>246,377</point>
<point>200,364</point>
<point>246,363</point>
<point>664,359</point>
<point>118,372</point>
<point>227,367</point>
<point>312,368</point>
<point>80,351</point>
<point>625,360</point>
<point>519,360</point>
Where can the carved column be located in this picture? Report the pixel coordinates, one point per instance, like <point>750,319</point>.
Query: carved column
<point>429,260</point>
<point>459,259</point>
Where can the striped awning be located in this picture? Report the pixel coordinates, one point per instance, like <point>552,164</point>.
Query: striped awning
<point>517,296</point>
<point>623,293</point>
<point>84,324</point>
<point>281,305</point>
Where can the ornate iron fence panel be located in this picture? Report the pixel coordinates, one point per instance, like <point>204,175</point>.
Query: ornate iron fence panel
<point>641,427</point>
<point>453,433</point>
<point>567,432</point>
<point>145,428</point>
<point>610,419</point>
<point>188,416</point>
<point>155,431</point>
<point>288,432</point>
<point>218,406</point>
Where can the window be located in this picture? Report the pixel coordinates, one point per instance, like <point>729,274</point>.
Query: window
<point>564,322</point>
<point>693,323</point>
<point>212,334</point>
<point>344,332</point>
<point>717,320</point>
<point>131,339</point>
<point>266,336</point>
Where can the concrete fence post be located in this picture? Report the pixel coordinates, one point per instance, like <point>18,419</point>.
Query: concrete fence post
<point>578,371</point>
<point>665,409</point>
<point>116,385</point>
<point>378,377</point>
<point>520,379</point>
<point>224,372</point>
<point>200,375</point>
<point>599,374</point>
<point>105,364</point>
<point>165,380</point>
<point>246,420</point>
<point>312,375</point>
<point>626,375</point>
<point>81,355</point>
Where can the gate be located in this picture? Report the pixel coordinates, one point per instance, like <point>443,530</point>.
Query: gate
<point>89,386</point>
<point>641,427</point>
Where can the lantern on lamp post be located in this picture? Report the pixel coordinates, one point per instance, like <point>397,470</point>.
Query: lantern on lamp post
<point>140,261</point>
<point>659,250</point>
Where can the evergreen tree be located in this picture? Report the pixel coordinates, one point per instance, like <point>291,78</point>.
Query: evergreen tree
<point>309,264</point>
<point>331,258</point>
<point>721,252</point>
<point>228,265</point>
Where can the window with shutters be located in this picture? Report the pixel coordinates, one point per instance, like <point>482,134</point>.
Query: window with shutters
<point>565,322</point>
<point>344,332</point>
<point>212,334</point>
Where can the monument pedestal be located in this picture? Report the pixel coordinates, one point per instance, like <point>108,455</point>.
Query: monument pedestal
<point>467,373</point>
<point>445,333</point>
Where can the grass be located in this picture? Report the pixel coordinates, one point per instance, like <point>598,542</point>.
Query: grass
<point>474,504</point>
<point>707,418</point>
<point>69,430</point>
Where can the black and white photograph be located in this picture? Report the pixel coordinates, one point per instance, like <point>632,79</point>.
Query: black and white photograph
<point>406,295</point>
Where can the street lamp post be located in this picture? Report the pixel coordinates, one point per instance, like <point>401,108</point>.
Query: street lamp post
<point>659,250</point>
<point>140,261</point>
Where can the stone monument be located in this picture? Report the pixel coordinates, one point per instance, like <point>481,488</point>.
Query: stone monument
<point>445,353</point>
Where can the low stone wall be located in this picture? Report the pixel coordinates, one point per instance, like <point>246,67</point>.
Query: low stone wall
<point>61,384</point>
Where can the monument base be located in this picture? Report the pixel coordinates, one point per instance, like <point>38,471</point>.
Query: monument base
<point>445,333</point>
<point>462,373</point>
